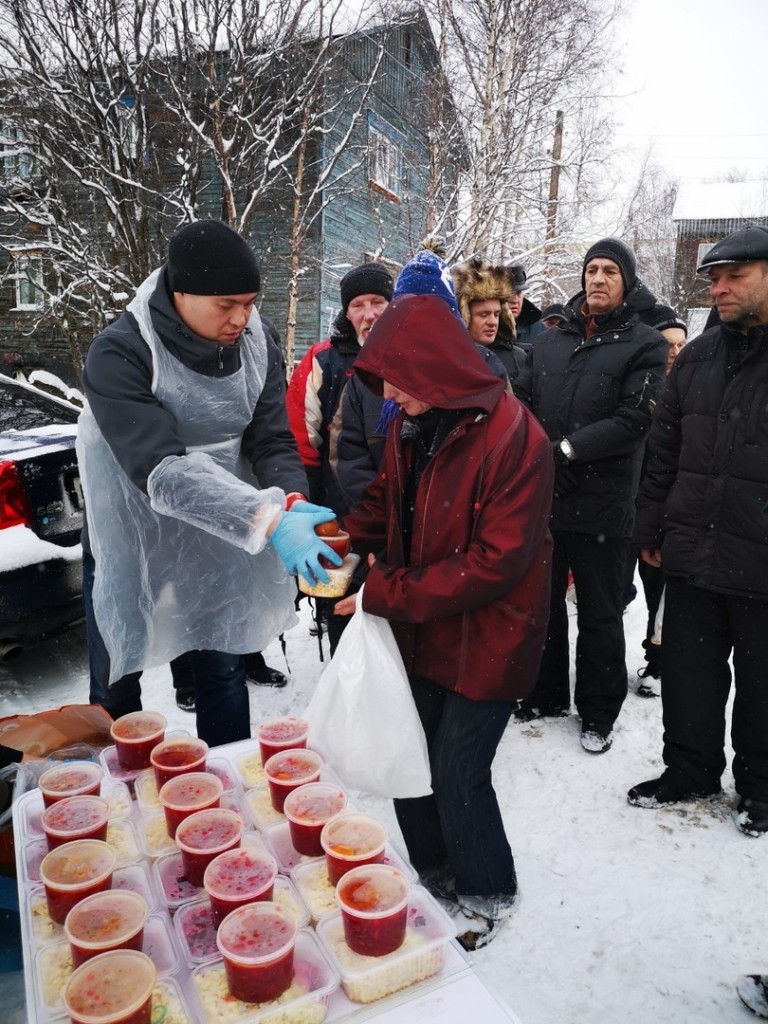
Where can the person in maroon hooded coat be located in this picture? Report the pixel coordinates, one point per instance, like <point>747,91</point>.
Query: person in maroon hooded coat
<point>455,530</point>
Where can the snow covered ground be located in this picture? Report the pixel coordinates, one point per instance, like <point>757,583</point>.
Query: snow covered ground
<point>625,915</point>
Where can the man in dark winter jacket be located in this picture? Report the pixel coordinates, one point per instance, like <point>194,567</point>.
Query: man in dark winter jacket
<point>319,380</point>
<point>702,514</point>
<point>527,317</point>
<point>193,487</point>
<point>592,383</point>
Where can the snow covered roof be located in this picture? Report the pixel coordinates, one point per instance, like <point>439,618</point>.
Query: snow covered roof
<point>722,200</point>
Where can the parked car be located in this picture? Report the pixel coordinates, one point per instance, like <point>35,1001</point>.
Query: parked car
<point>41,515</point>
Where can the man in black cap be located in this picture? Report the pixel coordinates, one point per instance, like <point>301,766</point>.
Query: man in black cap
<point>592,382</point>
<point>194,490</point>
<point>527,317</point>
<point>702,514</point>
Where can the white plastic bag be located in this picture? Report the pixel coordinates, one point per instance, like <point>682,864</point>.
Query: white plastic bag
<point>362,714</point>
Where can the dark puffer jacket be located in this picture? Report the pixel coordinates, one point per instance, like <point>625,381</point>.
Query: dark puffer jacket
<point>704,499</point>
<point>599,392</point>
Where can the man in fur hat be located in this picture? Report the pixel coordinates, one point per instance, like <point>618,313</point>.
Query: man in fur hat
<point>483,292</point>
<point>593,382</point>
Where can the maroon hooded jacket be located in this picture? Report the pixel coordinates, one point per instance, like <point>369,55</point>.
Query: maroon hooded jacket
<point>470,609</point>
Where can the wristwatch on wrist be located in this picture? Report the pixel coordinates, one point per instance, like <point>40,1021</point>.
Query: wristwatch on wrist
<point>567,449</point>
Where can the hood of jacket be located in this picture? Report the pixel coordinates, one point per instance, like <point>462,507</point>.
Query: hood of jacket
<point>420,347</point>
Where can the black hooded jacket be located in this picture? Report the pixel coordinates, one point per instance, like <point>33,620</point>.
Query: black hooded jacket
<point>599,392</point>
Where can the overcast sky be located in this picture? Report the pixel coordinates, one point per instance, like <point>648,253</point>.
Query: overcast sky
<point>696,69</point>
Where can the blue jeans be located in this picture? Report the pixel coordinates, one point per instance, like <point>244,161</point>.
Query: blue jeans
<point>218,679</point>
<point>460,824</point>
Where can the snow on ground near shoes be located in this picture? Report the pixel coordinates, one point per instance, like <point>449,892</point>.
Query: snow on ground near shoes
<point>753,992</point>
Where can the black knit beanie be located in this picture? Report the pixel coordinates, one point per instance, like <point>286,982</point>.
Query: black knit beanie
<point>618,251</point>
<point>367,279</point>
<point>209,258</point>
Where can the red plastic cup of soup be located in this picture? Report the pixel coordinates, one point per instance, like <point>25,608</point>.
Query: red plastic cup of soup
<point>70,778</point>
<point>112,988</point>
<point>135,735</point>
<point>185,794</point>
<point>105,921</point>
<point>203,836</point>
<point>238,877</point>
<point>278,734</point>
<point>288,770</point>
<point>350,841</point>
<point>307,809</point>
<point>257,943</point>
<point>75,817</point>
<point>74,871</point>
<point>374,908</point>
<point>340,543</point>
<point>178,757</point>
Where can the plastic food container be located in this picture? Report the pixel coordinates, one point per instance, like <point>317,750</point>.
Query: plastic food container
<point>196,928</point>
<point>112,988</point>
<point>422,954</point>
<point>257,943</point>
<point>308,809</point>
<point>135,735</point>
<point>105,921</point>
<point>70,778</point>
<point>75,817</point>
<point>187,793</point>
<point>374,908</point>
<point>238,877</point>
<point>73,871</point>
<point>203,836</point>
<point>350,841</point>
<point>276,734</point>
<point>288,770</point>
<point>338,580</point>
<point>304,1002</point>
<point>177,757</point>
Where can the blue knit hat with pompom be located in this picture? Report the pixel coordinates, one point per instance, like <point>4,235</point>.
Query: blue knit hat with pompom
<point>427,274</point>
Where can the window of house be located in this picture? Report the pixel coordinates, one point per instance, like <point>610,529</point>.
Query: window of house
<point>702,251</point>
<point>128,127</point>
<point>385,160</point>
<point>28,280</point>
<point>17,159</point>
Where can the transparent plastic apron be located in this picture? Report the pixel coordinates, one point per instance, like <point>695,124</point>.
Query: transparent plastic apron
<point>162,586</point>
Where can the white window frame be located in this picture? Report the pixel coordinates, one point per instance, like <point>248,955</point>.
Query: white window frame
<point>27,280</point>
<point>702,251</point>
<point>385,157</point>
<point>17,160</point>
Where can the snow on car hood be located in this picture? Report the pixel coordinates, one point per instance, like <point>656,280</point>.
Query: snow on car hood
<point>25,444</point>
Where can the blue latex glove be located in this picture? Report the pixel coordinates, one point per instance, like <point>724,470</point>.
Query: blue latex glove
<point>297,544</point>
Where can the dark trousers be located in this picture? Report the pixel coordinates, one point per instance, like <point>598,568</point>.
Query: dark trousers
<point>598,565</point>
<point>218,679</point>
<point>460,823</point>
<point>701,629</point>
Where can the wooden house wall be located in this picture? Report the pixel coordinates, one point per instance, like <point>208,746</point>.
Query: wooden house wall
<point>692,291</point>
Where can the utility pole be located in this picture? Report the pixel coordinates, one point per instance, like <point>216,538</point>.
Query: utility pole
<point>554,177</point>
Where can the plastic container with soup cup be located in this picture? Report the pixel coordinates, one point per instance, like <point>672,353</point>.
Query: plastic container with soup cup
<point>75,817</point>
<point>112,988</point>
<point>73,871</point>
<point>178,757</point>
<point>203,836</point>
<point>105,921</point>
<point>70,778</point>
<point>135,735</point>
<point>187,793</point>
<point>350,841</point>
<point>374,908</point>
<point>238,877</point>
<point>288,770</point>
<point>308,809</point>
<point>276,734</point>
<point>257,944</point>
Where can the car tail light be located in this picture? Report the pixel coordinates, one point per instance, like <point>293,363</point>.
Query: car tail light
<point>14,506</point>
